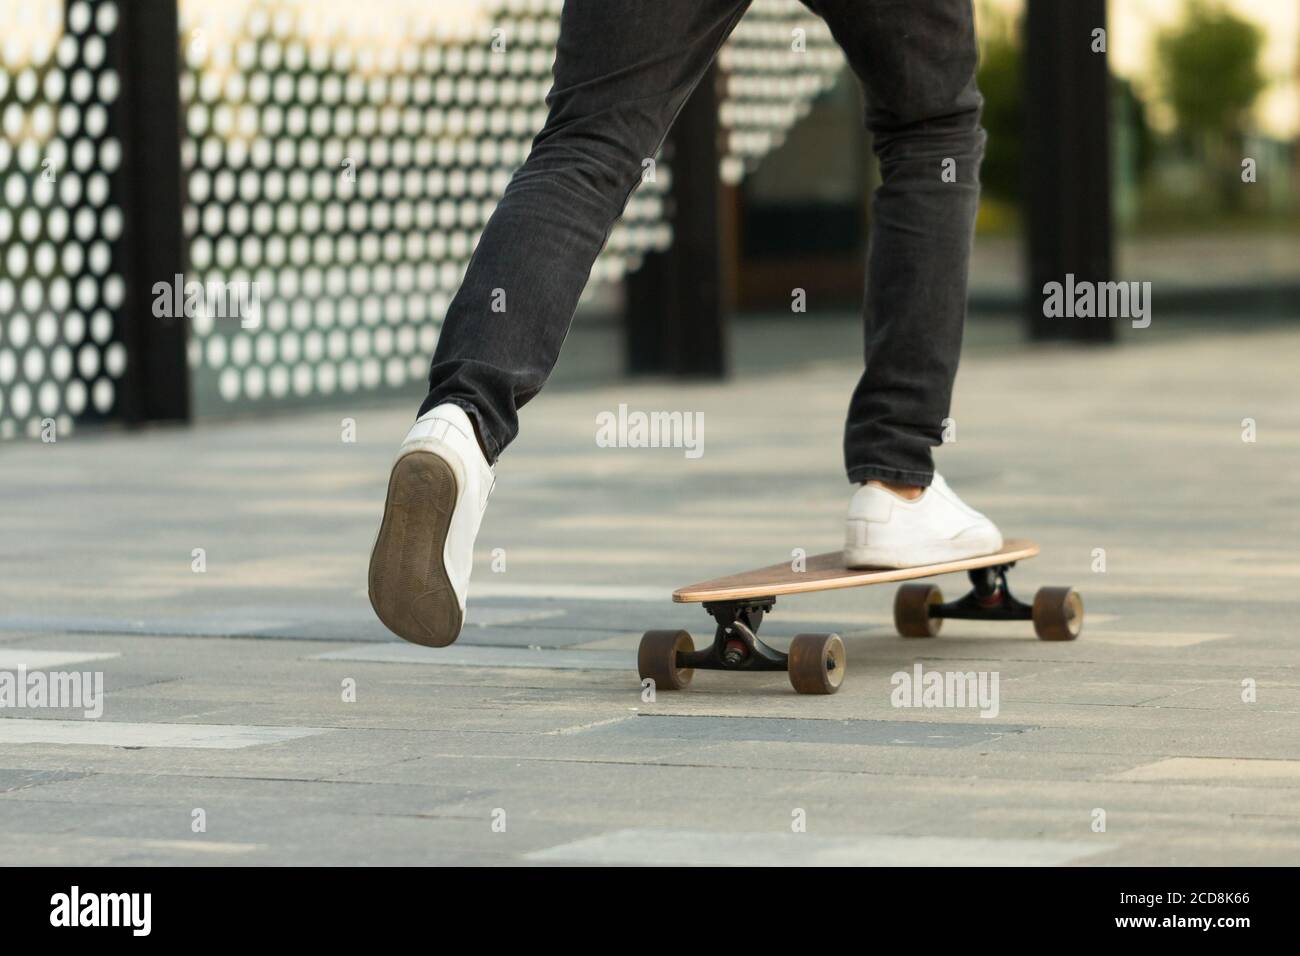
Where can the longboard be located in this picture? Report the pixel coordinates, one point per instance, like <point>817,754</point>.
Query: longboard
<point>816,663</point>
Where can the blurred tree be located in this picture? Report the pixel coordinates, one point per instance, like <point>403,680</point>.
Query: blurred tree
<point>1130,109</point>
<point>1210,71</point>
<point>1132,150</point>
<point>1001,81</point>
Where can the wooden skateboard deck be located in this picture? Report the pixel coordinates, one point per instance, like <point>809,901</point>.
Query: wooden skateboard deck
<point>816,663</point>
<point>826,572</point>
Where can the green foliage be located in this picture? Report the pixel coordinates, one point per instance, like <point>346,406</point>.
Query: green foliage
<point>1209,66</point>
<point>1129,113</point>
<point>1002,84</point>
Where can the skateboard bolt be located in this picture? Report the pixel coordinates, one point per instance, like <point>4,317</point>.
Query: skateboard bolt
<point>733,653</point>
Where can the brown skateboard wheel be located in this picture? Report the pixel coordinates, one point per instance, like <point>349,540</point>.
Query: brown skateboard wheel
<point>656,659</point>
<point>816,663</point>
<point>912,605</point>
<point>1058,614</point>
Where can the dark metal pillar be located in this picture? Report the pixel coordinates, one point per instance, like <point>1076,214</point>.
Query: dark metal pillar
<point>1067,160</point>
<point>148,120</point>
<point>675,317</point>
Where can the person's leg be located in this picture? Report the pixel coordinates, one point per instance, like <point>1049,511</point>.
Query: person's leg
<point>916,62</point>
<point>623,70</point>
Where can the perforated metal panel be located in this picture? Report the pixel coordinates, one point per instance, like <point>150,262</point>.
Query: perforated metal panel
<point>344,158</point>
<point>341,160</point>
<point>779,59</point>
<point>60,283</point>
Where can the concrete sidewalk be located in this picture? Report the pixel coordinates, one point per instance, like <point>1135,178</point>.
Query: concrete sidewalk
<point>227,689</point>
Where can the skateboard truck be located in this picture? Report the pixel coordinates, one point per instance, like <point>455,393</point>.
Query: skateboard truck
<point>736,645</point>
<point>989,599</point>
<point>1057,613</point>
<point>815,662</point>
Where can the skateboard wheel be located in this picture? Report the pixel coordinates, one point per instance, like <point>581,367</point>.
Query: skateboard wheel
<point>912,606</point>
<point>816,663</point>
<point>656,658</point>
<point>1058,614</point>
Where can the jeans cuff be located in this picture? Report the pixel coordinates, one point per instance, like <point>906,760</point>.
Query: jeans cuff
<point>899,476</point>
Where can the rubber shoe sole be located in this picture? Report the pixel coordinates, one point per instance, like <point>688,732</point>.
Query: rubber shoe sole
<point>935,552</point>
<point>409,587</point>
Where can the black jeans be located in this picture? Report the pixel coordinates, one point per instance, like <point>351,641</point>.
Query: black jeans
<point>623,69</point>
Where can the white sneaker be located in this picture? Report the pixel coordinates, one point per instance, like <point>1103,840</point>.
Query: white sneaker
<point>421,561</point>
<point>888,531</point>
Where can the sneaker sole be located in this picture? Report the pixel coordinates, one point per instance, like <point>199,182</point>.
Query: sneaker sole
<point>938,553</point>
<point>408,584</point>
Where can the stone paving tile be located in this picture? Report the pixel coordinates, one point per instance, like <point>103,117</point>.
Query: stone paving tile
<point>1117,453</point>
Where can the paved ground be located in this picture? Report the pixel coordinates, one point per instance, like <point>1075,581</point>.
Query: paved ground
<point>529,741</point>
